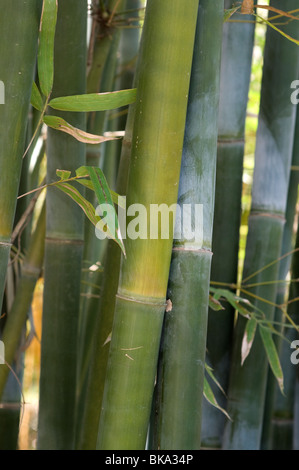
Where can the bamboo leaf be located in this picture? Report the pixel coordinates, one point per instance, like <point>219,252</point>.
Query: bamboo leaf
<point>272,355</point>
<point>215,304</point>
<point>103,195</point>
<point>248,338</point>
<point>85,205</point>
<point>229,12</point>
<point>61,125</point>
<point>116,198</point>
<point>45,59</point>
<point>99,185</point>
<point>63,174</point>
<point>210,372</point>
<point>36,99</point>
<point>94,101</point>
<point>210,397</point>
<point>234,300</point>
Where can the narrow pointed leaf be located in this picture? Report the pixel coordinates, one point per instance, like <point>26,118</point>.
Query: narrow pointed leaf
<point>229,12</point>
<point>116,198</point>
<point>215,304</point>
<point>103,194</point>
<point>211,374</point>
<point>36,99</point>
<point>61,125</point>
<point>45,59</point>
<point>63,174</point>
<point>248,338</point>
<point>272,355</point>
<point>209,395</point>
<point>94,101</point>
<point>85,205</point>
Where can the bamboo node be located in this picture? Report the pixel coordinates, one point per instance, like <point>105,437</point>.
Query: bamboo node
<point>8,244</point>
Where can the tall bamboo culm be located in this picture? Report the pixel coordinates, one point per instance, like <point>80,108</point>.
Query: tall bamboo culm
<point>162,90</point>
<point>278,423</point>
<point>247,387</point>
<point>18,48</point>
<point>234,86</point>
<point>105,308</point>
<point>179,389</point>
<point>20,43</point>
<point>64,243</point>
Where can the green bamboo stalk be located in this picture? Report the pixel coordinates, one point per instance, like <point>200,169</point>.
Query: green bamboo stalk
<point>64,244</point>
<point>12,336</point>
<point>101,78</point>
<point>11,408</point>
<point>296,414</point>
<point>273,392</point>
<point>105,310</point>
<point>94,249</point>
<point>179,389</point>
<point>246,394</point>
<point>16,317</point>
<point>162,84</point>
<point>20,43</point>
<point>283,422</point>
<point>234,86</point>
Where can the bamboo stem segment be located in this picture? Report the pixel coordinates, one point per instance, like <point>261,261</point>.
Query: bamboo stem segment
<point>269,196</point>
<point>162,83</point>
<point>181,370</point>
<point>64,244</point>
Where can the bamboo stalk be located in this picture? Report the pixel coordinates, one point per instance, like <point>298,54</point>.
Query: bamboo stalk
<point>105,310</point>
<point>181,370</point>
<point>275,135</point>
<point>234,86</point>
<point>19,42</point>
<point>17,315</point>
<point>283,418</point>
<point>64,244</point>
<point>162,84</point>
<point>273,393</point>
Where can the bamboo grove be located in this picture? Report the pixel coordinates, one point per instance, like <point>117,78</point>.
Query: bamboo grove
<point>165,244</point>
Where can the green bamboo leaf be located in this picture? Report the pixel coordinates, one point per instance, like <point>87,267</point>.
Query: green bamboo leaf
<point>229,12</point>
<point>272,355</point>
<point>103,193</point>
<point>94,101</point>
<point>61,125</point>
<point>36,99</point>
<point>210,372</point>
<point>85,205</point>
<point>87,208</point>
<point>210,397</point>
<point>215,304</point>
<point>45,58</point>
<point>63,174</point>
<point>248,338</point>
<point>116,198</point>
<point>236,301</point>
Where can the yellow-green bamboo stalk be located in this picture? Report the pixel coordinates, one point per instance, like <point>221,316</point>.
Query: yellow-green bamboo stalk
<point>162,84</point>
